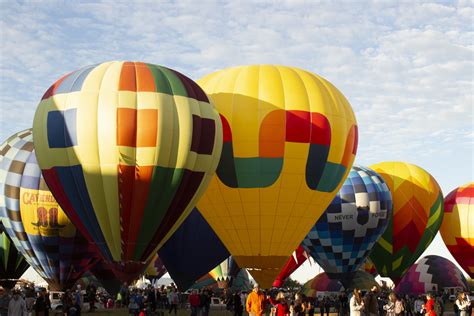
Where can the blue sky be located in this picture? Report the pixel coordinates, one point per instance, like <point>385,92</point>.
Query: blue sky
<point>406,67</point>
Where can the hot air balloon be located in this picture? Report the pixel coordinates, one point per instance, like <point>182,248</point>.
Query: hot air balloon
<point>457,228</point>
<point>193,250</point>
<point>290,138</point>
<point>106,277</point>
<point>417,216</point>
<point>298,257</point>
<point>323,283</point>
<point>225,273</point>
<point>33,219</point>
<point>431,274</point>
<point>206,281</point>
<point>369,267</point>
<point>127,149</point>
<point>156,269</point>
<point>12,263</point>
<point>344,235</point>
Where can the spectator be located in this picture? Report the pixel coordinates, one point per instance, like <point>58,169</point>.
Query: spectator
<point>356,303</point>
<point>17,305</point>
<point>194,302</point>
<point>463,304</point>
<point>255,302</point>
<point>4,302</point>
<point>390,306</point>
<point>371,302</point>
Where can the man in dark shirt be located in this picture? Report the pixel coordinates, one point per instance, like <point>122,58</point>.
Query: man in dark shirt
<point>371,303</point>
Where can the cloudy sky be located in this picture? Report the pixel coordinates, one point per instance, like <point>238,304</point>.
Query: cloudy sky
<point>406,67</point>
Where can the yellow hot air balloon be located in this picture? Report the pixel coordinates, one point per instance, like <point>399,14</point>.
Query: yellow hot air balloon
<point>457,228</point>
<point>290,138</point>
<point>416,218</point>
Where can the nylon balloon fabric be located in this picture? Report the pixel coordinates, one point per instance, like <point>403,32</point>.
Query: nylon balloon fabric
<point>298,257</point>
<point>34,221</point>
<point>417,216</point>
<point>156,269</point>
<point>431,274</point>
<point>344,235</point>
<point>290,138</point>
<point>12,263</point>
<point>321,283</point>
<point>192,251</point>
<point>457,228</point>
<point>127,149</point>
<point>225,273</point>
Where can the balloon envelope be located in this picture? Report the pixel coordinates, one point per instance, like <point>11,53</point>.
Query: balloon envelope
<point>431,274</point>
<point>192,251</point>
<point>457,228</point>
<point>344,235</point>
<point>156,269</point>
<point>12,263</point>
<point>417,216</point>
<point>225,273</point>
<point>298,257</point>
<point>127,149</point>
<point>290,138</point>
<point>33,219</point>
<point>323,283</point>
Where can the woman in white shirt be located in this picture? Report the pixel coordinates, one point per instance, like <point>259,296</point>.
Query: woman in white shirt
<point>356,303</point>
<point>463,304</point>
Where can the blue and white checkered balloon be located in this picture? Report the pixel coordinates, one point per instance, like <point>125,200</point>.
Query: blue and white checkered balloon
<point>344,235</point>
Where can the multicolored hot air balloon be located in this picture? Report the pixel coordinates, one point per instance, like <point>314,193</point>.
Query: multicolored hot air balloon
<point>225,273</point>
<point>344,235</point>
<point>417,216</point>
<point>34,221</point>
<point>127,149</point>
<point>369,267</point>
<point>156,269</point>
<point>431,274</point>
<point>12,263</point>
<point>323,283</point>
<point>457,228</point>
<point>193,250</point>
<point>290,138</point>
<point>298,257</point>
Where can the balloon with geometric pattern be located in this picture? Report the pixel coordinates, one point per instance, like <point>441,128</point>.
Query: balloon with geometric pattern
<point>156,269</point>
<point>12,263</point>
<point>369,267</point>
<point>34,221</point>
<point>225,273</point>
<point>457,228</point>
<point>127,149</point>
<point>323,283</point>
<point>290,138</point>
<point>431,274</point>
<point>343,237</point>
<point>417,216</point>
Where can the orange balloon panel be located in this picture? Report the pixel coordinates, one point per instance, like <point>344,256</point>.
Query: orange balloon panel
<point>457,228</point>
<point>290,138</point>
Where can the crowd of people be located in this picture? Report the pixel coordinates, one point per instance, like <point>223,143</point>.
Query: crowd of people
<point>168,300</point>
<point>372,303</point>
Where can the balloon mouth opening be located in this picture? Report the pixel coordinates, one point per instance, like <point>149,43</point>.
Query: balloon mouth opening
<point>127,271</point>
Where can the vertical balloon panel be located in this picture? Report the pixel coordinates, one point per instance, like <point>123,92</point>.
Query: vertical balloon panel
<point>127,149</point>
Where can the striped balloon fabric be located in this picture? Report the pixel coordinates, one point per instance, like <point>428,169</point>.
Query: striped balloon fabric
<point>34,221</point>
<point>127,148</point>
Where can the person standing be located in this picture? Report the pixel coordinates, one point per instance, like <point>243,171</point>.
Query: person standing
<point>356,304</point>
<point>17,305</point>
<point>173,301</point>
<point>371,303</point>
<point>390,306</point>
<point>205,304</point>
<point>4,301</point>
<point>194,303</point>
<point>40,307</point>
<point>280,303</point>
<point>463,304</point>
<point>238,307</point>
<point>418,306</point>
<point>344,304</point>
<point>399,308</point>
<point>255,302</point>
<point>429,305</point>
